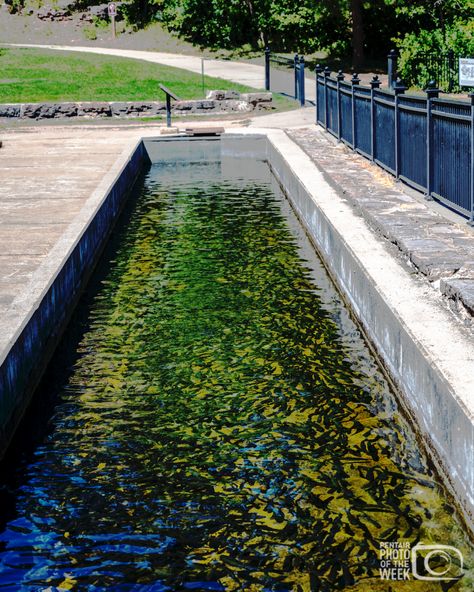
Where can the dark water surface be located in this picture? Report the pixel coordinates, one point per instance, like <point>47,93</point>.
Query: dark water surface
<point>222,426</point>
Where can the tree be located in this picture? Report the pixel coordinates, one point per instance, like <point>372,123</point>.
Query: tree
<point>357,33</point>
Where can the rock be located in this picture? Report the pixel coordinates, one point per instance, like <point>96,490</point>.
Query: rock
<point>9,110</point>
<point>231,94</point>
<point>100,11</point>
<point>183,106</point>
<point>137,109</point>
<point>66,110</point>
<point>52,14</point>
<point>240,106</point>
<point>254,98</point>
<point>30,111</point>
<point>121,108</point>
<point>205,105</point>
<point>459,290</point>
<point>222,95</point>
<point>216,95</point>
<point>94,110</point>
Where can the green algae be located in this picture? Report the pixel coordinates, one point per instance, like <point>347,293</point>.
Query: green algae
<point>223,426</point>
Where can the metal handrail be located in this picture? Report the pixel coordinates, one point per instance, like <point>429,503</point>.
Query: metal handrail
<point>169,95</point>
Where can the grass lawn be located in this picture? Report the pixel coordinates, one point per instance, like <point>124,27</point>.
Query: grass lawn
<point>33,75</point>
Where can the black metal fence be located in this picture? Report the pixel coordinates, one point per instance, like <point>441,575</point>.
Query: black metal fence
<point>442,68</point>
<point>296,65</point>
<point>427,142</point>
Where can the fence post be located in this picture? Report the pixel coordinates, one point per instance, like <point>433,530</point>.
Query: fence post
<point>326,74</point>
<point>295,69</point>
<point>450,70</point>
<point>301,82</point>
<point>267,68</point>
<point>431,93</point>
<point>339,79</point>
<point>392,68</point>
<point>374,84</point>
<point>398,88</point>
<point>354,81</point>
<point>471,217</point>
<point>318,71</point>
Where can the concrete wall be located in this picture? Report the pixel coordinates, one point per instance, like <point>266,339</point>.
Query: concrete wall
<point>33,344</point>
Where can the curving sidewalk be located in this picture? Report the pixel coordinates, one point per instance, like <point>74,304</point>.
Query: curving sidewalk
<point>245,73</point>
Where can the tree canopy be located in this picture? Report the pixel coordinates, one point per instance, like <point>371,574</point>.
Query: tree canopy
<point>365,28</point>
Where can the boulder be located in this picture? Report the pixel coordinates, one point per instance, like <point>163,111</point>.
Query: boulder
<point>206,105</point>
<point>184,106</point>
<point>255,98</point>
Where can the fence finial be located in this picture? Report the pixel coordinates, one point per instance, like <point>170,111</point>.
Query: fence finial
<point>340,76</point>
<point>355,78</point>
<point>327,71</point>
<point>431,90</point>
<point>319,68</point>
<point>398,87</point>
<point>375,82</point>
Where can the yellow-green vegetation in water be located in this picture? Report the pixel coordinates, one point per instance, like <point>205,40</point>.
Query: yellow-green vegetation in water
<point>223,426</point>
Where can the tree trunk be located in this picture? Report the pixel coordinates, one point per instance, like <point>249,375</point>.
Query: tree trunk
<point>262,37</point>
<point>357,34</point>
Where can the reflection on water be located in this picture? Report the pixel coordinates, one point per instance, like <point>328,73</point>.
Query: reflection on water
<point>223,427</point>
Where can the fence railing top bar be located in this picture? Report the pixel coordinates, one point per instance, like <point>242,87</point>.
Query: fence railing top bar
<point>383,91</point>
<point>411,99</point>
<point>455,102</point>
<point>281,60</point>
<point>345,84</point>
<point>362,91</point>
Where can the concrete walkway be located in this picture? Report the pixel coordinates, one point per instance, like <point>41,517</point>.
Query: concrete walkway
<point>46,177</point>
<point>432,240</point>
<point>245,73</point>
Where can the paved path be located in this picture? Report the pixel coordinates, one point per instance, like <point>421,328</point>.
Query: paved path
<point>46,176</point>
<point>252,75</point>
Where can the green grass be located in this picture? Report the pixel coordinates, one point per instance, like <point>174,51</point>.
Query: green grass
<point>31,75</point>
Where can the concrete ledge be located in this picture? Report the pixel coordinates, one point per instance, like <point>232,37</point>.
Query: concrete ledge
<point>435,242</point>
<point>426,352</point>
<point>34,322</point>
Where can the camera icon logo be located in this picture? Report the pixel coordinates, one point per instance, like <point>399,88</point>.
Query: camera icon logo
<point>436,562</point>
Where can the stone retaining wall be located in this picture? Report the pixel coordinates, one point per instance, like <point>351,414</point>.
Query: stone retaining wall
<point>217,102</point>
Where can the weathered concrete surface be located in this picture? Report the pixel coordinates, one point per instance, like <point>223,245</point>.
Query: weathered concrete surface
<point>45,180</point>
<point>431,244</point>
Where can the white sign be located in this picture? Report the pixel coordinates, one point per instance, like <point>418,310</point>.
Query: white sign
<point>112,8</point>
<point>466,71</point>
